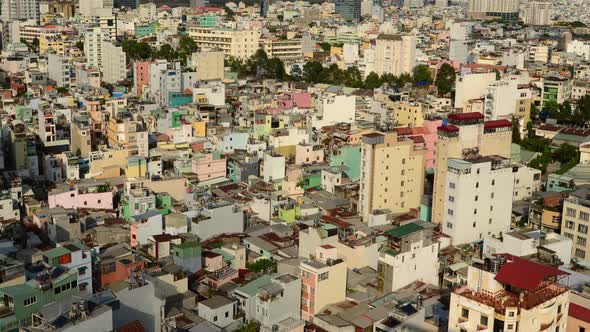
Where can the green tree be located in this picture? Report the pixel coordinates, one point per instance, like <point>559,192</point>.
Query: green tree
<point>372,81</point>
<point>565,153</point>
<point>187,45</point>
<point>312,72</point>
<point>251,326</point>
<point>445,78</point>
<point>167,52</point>
<point>296,73</point>
<point>421,75</point>
<point>515,131</point>
<point>80,45</point>
<point>325,46</point>
<point>261,265</point>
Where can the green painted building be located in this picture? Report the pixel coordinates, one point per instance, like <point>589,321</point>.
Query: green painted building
<point>177,99</point>
<point>188,255</point>
<point>19,302</point>
<point>145,30</point>
<point>208,21</point>
<point>289,212</point>
<point>349,156</point>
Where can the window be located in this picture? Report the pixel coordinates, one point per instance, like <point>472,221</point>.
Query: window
<point>452,185</point>
<point>569,224</point>
<point>570,212</point>
<point>583,229</point>
<point>450,212</point>
<point>570,235</point>
<point>402,183</point>
<point>324,276</point>
<point>449,225</point>
<point>478,171</point>
<point>483,320</point>
<point>493,182</point>
<point>65,259</point>
<point>476,198</point>
<point>477,185</point>
<point>214,318</point>
<point>474,211</point>
<point>584,216</point>
<point>31,300</point>
<point>581,241</point>
<point>580,253</point>
<point>451,199</point>
<point>465,313</point>
<point>226,314</point>
<point>510,326</point>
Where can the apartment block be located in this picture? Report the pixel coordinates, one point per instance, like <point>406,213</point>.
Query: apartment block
<point>392,174</point>
<point>479,198</point>
<point>461,136</point>
<point>323,281</point>
<point>395,54</point>
<point>509,293</point>
<point>237,43</point>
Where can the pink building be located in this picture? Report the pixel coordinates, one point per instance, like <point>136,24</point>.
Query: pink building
<point>209,166</point>
<point>80,196</point>
<point>426,136</point>
<point>308,154</point>
<point>141,75</point>
<point>213,261</point>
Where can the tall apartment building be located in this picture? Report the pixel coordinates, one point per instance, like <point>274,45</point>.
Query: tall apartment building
<point>507,98</point>
<point>93,46</point>
<point>126,133</point>
<point>392,174</point>
<point>114,63</point>
<point>395,54</point>
<point>493,9</point>
<point>509,293</point>
<point>14,10</point>
<point>479,198</point>
<point>576,220</point>
<point>464,135</point>
<point>350,10</point>
<point>409,255</point>
<point>95,7</point>
<point>59,70</point>
<point>164,78</point>
<point>237,43</point>
<point>323,281</point>
<point>537,13</point>
<point>129,4</point>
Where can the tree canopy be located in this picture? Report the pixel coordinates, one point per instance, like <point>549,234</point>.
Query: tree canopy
<point>445,78</point>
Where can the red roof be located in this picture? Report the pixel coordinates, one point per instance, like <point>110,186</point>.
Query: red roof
<point>579,312</point>
<point>524,274</point>
<point>134,326</point>
<point>497,124</point>
<point>448,128</point>
<point>466,116</point>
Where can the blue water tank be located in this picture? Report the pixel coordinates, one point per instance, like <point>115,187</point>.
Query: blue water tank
<point>445,122</point>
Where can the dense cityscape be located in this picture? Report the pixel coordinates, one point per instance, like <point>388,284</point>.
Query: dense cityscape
<point>294,166</point>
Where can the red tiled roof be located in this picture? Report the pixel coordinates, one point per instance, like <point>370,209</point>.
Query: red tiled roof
<point>134,326</point>
<point>579,312</point>
<point>466,116</point>
<point>497,124</point>
<point>448,128</point>
<point>524,274</point>
<point>576,132</point>
<point>549,127</point>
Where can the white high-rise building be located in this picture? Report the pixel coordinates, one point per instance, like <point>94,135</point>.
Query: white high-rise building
<point>493,9</point>
<point>13,10</point>
<point>537,13</point>
<point>441,3</point>
<point>114,63</point>
<point>395,54</point>
<point>478,198</point>
<point>59,69</point>
<point>95,7</point>
<point>93,45</point>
